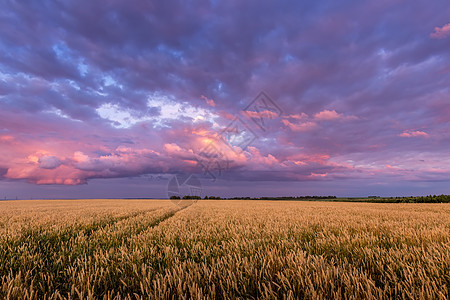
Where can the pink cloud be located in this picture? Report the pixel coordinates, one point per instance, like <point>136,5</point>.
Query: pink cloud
<point>226,115</point>
<point>175,151</point>
<point>210,102</point>
<point>257,159</point>
<point>33,173</point>
<point>72,162</point>
<point>329,115</point>
<point>391,167</point>
<point>172,148</point>
<point>301,127</point>
<point>417,133</point>
<point>441,32</point>
<point>266,114</point>
<point>302,159</point>
<point>318,175</point>
<point>6,138</point>
<point>310,123</point>
<point>297,116</point>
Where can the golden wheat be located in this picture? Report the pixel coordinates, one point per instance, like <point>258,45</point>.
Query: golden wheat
<point>138,249</point>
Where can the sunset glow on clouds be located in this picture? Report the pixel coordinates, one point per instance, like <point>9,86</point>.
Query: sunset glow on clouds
<point>441,32</point>
<point>93,90</point>
<point>414,134</point>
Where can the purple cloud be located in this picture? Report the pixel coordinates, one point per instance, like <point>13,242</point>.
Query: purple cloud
<point>49,162</point>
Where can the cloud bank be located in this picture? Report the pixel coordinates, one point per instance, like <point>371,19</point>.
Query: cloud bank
<point>112,90</point>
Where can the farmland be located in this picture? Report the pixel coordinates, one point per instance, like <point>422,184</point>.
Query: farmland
<point>106,249</point>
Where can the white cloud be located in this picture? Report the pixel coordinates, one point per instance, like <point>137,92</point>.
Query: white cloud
<point>169,110</point>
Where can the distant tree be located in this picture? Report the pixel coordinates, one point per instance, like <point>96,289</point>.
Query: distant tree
<point>192,197</point>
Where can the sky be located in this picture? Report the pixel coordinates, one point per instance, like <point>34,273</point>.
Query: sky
<point>113,99</point>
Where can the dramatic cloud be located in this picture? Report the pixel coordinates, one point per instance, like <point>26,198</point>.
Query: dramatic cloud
<point>359,91</point>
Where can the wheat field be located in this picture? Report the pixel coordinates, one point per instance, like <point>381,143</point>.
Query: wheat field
<point>140,249</point>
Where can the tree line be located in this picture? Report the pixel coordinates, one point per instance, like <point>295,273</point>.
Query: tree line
<point>421,199</point>
<point>411,199</point>
<point>257,198</point>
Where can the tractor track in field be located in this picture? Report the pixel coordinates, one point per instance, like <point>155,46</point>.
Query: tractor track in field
<point>78,241</point>
<point>43,237</point>
<point>114,220</point>
<point>30,233</point>
<point>169,215</point>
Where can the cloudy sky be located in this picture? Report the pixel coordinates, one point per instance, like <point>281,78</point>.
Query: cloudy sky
<point>113,98</point>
